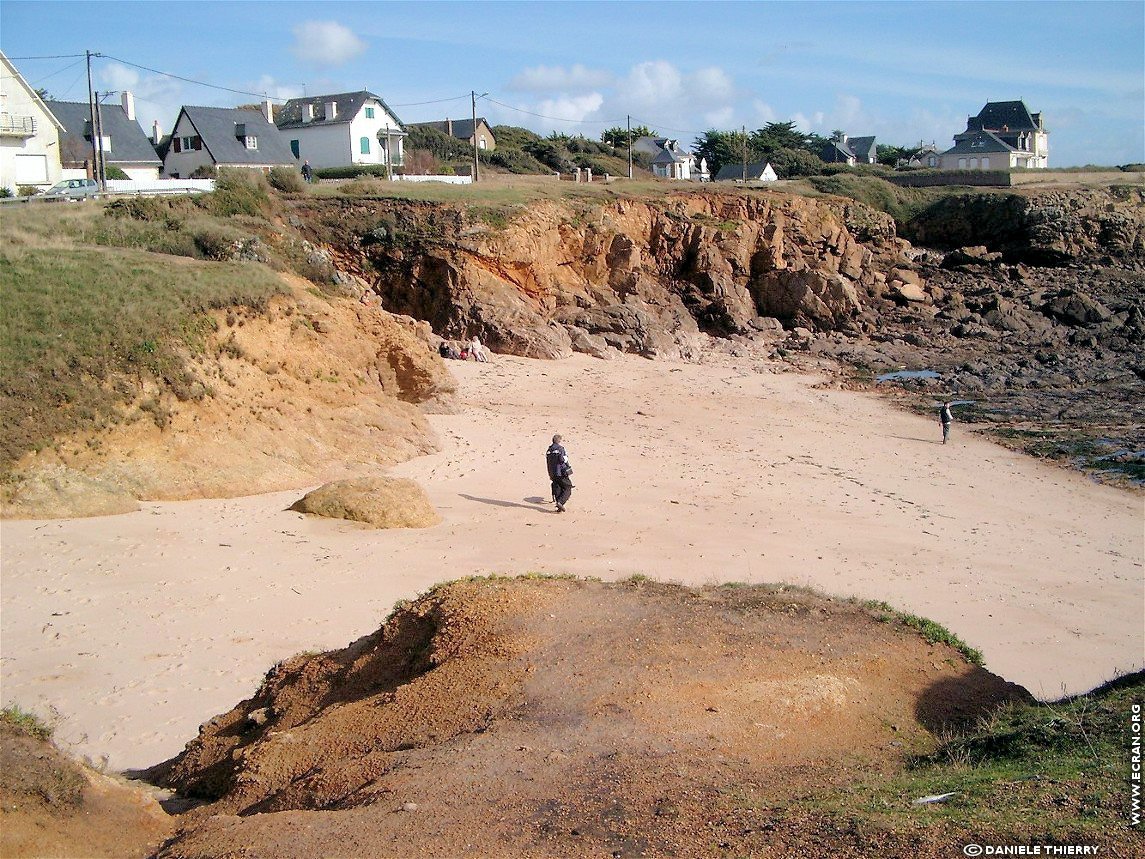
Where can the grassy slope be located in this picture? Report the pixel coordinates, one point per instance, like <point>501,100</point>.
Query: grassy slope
<point>84,325</point>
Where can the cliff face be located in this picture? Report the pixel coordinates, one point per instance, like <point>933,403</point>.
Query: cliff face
<point>1039,227</point>
<point>636,276</point>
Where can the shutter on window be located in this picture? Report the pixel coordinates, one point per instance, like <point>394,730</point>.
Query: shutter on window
<point>176,144</point>
<point>197,142</point>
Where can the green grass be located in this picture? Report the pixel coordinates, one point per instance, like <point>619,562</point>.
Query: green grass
<point>25,722</point>
<point>81,323</point>
<point>933,632</point>
<point>1055,771</point>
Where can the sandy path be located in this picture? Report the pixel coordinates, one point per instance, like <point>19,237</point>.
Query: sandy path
<point>138,628</point>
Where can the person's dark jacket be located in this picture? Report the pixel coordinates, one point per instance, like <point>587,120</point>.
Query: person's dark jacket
<point>557,461</point>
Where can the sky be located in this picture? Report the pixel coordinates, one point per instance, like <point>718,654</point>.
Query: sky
<point>906,72</point>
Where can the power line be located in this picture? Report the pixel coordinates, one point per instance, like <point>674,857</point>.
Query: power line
<point>193,81</point>
<point>59,71</point>
<point>558,118</point>
<point>55,57</point>
<point>435,101</point>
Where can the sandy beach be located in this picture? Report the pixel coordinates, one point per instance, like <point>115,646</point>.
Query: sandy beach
<point>130,631</point>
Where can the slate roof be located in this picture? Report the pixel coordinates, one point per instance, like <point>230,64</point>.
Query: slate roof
<point>836,152</point>
<point>462,128</point>
<point>349,105</point>
<point>671,156</point>
<point>978,143</point>
<point>736,171</point>
<point>864,149</point>
<point>1012,115</point>
<point>129,144</point>
<point>216,125</point>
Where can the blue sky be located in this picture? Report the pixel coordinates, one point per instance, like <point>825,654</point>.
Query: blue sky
<point>903,71</point>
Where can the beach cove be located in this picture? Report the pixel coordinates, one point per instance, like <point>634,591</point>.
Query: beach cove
<point>130,631</point>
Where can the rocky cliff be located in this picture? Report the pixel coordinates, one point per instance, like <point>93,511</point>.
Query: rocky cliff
<point>638,276</point>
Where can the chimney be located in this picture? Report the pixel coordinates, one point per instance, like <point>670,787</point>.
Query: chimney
<point>331,110</point>
<point>449,126</point>
<point>156,132</point>
<point>268,111</point>
<point>308,112</point>
<point>128,101</point>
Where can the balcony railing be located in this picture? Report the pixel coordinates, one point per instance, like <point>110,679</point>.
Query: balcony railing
<point>17,126</point>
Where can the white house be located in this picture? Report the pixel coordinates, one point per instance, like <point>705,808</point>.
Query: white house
<point>29,134</point>
<point>343,129</point>
<point>757,171</point>
<point>669,161</point>
<point>1003,135</point>
<point>224,137</point>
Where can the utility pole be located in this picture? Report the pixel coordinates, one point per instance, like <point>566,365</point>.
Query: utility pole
<point>743,132</point>
<point>91,108</point>
<point>473,97</point>
<point>630,146</point>
<point>100,166</point>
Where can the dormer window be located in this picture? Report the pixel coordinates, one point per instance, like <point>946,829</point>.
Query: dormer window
<point>251,142</point>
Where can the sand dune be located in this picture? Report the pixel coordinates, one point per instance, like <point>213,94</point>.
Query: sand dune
<point>137,628</point>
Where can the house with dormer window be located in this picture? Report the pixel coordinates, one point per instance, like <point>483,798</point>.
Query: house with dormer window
<point>1004,135</point>
<point>224,137</point>
<point>343,129</point>
<point>123,142</point>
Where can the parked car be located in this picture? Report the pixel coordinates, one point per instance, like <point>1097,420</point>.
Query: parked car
<point>73,189</point>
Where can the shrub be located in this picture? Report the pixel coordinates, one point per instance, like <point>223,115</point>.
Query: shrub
<point>28,190</point>
<point>205,171</point>
<point>238,191</point>
<point>214,243</point>
<point>114,172</point>
<point>285,179</point>
<point>5,192</point>
<point>351,172</point>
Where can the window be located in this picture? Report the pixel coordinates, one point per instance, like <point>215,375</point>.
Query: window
<point>482,141</point>
<point>369,113</point>
<point>187,143</point>
<point>294,148</point>
<point>365,146</point>
<point>251,142</point>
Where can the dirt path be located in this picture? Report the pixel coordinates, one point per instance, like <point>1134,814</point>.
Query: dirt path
<point>137,628</point>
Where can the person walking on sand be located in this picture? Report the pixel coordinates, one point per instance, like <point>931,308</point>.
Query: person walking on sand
<point>947,419</point>
<point>557,460</point>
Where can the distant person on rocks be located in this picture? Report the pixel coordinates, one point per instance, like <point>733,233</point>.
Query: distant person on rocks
<point>448,350</point>
<point>307,173</point>
<point>946,418</point>
<point>557,461</point>
<point>477,350</point>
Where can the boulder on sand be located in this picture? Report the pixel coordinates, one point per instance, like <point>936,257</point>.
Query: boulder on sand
<point>383,502</point>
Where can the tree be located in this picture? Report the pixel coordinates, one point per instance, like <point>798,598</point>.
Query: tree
<point>793,163</point>
<point>890,155</point>
<point>723,147</point>
<point>618,137</point>
<point>778,135</point>
<point>44,94</point>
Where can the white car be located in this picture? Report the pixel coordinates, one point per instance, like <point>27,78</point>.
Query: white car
<point>73,189</point>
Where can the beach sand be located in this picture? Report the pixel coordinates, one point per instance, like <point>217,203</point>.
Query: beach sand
<point>135,629</point>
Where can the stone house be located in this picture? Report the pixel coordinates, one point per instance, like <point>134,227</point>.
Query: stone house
<point>462,129</point>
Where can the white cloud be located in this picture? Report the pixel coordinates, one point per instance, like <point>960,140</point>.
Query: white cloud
<point>326,43</point>
<point>559,79</point>
<point>119,77</point>
<point>268,85</point>
<point>763,112</point>
<point>710,85</point>
<point>567,111</point>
